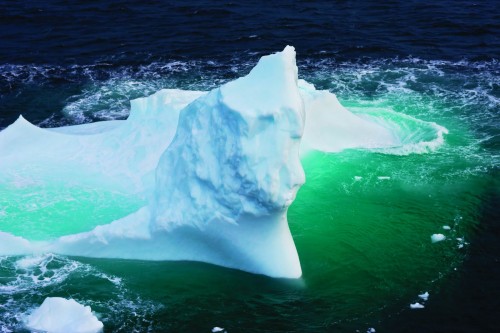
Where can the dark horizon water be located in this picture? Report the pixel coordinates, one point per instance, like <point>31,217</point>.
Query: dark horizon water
<point>71,62</point>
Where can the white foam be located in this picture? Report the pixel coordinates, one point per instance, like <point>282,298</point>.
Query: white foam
<point>383,177</point>
<point>60,315</point>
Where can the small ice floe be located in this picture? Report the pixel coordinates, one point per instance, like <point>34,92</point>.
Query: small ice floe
<point>217,329</point>
<point>424,296</point>
<point>461,242</point>
<point>437,238</point>
<point>357,178</point>
<point>446,227</point>
<point>384,177</point>
<point>60,315</point>
<point>416,305</point>
<point>371,330</point>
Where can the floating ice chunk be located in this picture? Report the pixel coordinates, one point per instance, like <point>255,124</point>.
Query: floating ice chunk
<point>416,306</point>
<point>424,296</point>
<point>60,315</point>
<point>437,238</point>
<point>357,178</point>
<point>384,177</point>
<point>217,329</point>
<point>371,330</point>
<point>461,242</point>
<point>446,227</point>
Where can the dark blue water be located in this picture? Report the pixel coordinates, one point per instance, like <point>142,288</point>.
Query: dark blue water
<point>130,32</point>
<point>68,62</point>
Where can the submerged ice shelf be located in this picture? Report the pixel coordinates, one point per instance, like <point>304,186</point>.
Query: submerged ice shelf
<point>216,170</point>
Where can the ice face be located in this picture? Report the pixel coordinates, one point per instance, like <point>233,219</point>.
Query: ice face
<point>236,157</point>
<point>60,315</point>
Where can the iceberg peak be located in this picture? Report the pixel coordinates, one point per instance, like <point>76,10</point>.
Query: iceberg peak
<point>236,157</point>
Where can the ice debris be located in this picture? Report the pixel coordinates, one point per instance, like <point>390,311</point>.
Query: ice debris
<point>416,306</point>
<point>437,238</point>
<point>424,296</point>
<point>60,315</point>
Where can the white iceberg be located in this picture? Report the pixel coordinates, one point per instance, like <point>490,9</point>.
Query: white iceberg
<point>60,315</point>
<point>216,170</point>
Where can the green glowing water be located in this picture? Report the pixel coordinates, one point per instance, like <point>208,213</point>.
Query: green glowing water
<point>47,211</point>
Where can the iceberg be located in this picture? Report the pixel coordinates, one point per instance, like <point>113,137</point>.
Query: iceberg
<point>219,170</point>
<point>60,315</point>
<point>213,172</point>
<point>224,184</point>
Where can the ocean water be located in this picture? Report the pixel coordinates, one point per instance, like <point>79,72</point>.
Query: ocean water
<point>363,221</point>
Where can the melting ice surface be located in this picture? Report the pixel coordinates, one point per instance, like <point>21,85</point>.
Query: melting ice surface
<point>216,170</point>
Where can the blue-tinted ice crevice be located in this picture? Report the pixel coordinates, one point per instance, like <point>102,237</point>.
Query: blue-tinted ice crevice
<point>216,170</point>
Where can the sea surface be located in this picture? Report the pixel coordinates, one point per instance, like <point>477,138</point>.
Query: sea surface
<point>363,221</point>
